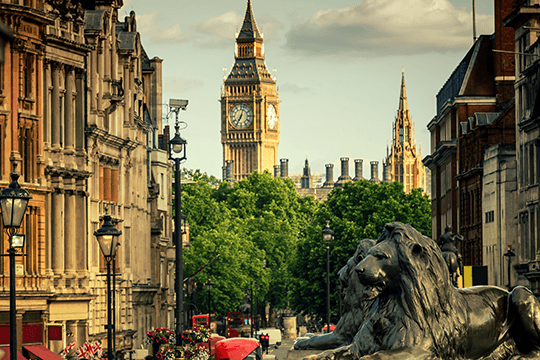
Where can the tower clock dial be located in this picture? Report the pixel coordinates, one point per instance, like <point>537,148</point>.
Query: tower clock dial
<point>241,116</point>
<point>271,116</point>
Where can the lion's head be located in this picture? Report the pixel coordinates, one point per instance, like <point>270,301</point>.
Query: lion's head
<point>407,291</point>
<point>352,288</point>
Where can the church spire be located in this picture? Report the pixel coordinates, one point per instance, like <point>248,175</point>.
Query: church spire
<point>249,29</point>
<point>403,94</point>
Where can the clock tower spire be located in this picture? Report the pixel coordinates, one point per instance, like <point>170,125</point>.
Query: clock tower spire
<point>249,107</point>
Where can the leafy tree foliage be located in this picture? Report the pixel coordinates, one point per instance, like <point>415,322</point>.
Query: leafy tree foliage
<point>253,222</point>
<point>356,211</point>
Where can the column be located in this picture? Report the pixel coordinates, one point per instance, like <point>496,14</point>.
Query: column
<point>69,232</point>
<point>55,106</point>
<point>57,227</point>
<point>80,236</point>
<point>46,104</point>
<point>127,94</point>
<point>99,77</point>
<point>79,109</point>
<point>69,121</point>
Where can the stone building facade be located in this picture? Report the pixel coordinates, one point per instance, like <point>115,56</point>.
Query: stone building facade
<point>474,112</point>
<point>524,19</point>
<point>249,108</point>
<point>404,161</point>
<point>80,109</point>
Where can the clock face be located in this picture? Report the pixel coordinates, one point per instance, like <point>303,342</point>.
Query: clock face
<point>271,116</point>
<point>241,116</point>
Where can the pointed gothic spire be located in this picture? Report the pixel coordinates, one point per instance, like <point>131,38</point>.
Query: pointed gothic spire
<point>249,27</point>
<point>403,94</point>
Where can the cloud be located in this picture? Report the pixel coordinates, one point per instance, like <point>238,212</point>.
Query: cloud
<point>147,25</point>
<point>178,84</point>
<point>288,87</point>
<point>387,27</point>
<point>221,30</point>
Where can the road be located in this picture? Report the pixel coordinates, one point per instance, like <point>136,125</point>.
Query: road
<point>281,352</point>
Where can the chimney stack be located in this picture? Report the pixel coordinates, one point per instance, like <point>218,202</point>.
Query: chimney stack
<point>276,171</point>
<point>344,172</point>
<point>329,176</point>
<point>284,168</point>
<point>358,171</point>
<point>374,172</point>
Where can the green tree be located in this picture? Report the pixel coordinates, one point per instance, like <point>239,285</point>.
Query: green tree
<point>356,211</point>
<point>255,221</point>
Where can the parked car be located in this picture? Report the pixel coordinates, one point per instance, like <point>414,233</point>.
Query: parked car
<point>238,349</point>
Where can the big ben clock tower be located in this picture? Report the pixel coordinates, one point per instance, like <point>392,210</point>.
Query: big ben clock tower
<point>249,107</point>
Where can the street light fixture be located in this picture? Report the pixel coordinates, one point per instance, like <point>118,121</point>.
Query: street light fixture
<point>107,236</point>
<point>509,254</point>
<point>177,147</point>
<point>328,239</point>
<point>13,202</point>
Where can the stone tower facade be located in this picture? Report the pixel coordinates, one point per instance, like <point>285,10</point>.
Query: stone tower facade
<point>404,161</point>
<point>249,107</point>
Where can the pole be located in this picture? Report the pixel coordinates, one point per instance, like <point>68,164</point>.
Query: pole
<point>328,288</point>
<point>114,306</point>
<point>509,260</point>
<point>109,313</point>
<point>209,312</point>
<point>251,309</point>
<point>179,253</point>
<point>474,19</point>
<point>12,307</point>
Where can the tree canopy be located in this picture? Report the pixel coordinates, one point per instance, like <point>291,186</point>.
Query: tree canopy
<point>266,233</point>
<point>254,225</point>
<point>356,211</point>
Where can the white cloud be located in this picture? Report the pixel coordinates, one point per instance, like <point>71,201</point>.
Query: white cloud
<point>388,27</point>
<point>221,30</point>
<point>147,25</point>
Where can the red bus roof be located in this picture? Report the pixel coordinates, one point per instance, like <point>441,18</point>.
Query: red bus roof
<point>235,348</point>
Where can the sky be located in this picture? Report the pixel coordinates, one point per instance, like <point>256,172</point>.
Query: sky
<point>338,66</point>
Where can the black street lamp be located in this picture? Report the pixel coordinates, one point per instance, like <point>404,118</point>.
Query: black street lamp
<point>209,285</point>
<point>13,202</point>
<point>107,236</point>
<point>509,254</point>
<point>177,147</point>
<point>251,309</point>
<point>328,239</point>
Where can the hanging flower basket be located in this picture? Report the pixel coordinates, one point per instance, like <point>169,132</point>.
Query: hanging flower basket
<point>194,350</point>
<point>163,342</point>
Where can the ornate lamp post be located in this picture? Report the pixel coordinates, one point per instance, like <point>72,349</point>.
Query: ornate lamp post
<point>177,152</point>
<point>107,236</point>
<point>209,285</point>
<point>13,202</point>
<point>328,239</point>
<point>509,254</point>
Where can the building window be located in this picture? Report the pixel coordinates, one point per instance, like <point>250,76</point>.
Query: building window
<point>490,216</point>
<point>531,164</point>
<point>28,77</point>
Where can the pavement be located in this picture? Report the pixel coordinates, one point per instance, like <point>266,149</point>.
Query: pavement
<point>281,351</point>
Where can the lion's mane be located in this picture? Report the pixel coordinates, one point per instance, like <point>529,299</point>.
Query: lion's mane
<point>423,309</point>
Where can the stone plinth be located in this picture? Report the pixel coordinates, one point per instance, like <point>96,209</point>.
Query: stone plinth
<point>300,354</point>
<point>289,323</point>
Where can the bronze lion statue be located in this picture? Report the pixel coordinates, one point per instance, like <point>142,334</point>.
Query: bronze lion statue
<point>412,311</point>
<point>353,314</point>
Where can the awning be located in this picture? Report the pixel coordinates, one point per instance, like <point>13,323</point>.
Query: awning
<point>42,352</point>
<point>7,356</point>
